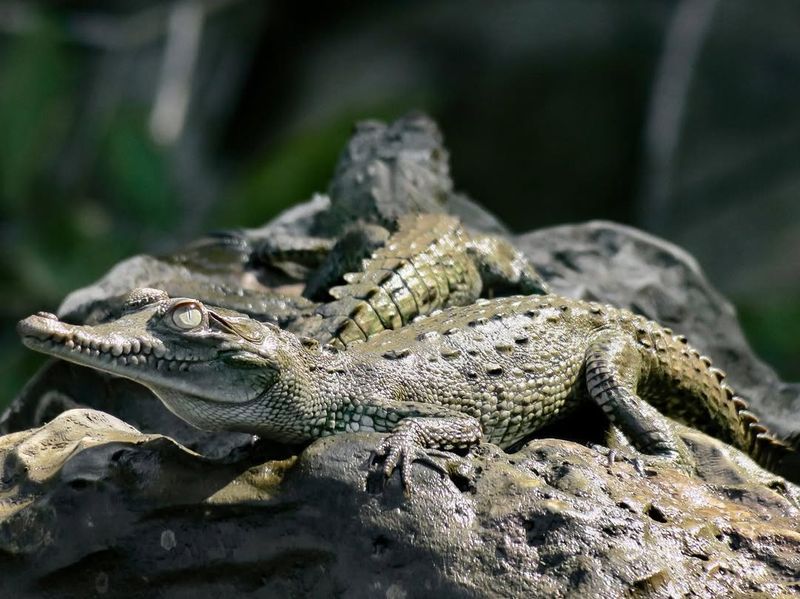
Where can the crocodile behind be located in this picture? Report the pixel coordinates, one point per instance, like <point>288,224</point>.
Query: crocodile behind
<point>431,262</point>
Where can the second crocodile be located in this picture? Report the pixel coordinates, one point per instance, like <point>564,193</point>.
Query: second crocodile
<point>431,262</point>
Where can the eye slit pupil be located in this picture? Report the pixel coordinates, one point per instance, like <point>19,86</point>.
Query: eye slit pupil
<point>187,316</point>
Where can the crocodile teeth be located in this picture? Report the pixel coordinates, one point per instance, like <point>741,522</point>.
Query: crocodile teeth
<point>70,344</point>
<point>135,346</point>
<point>159,351</point>
<point>126,347</point>
<point>116,350</point>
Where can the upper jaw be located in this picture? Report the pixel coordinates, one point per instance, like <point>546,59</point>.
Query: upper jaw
<point>110,351</point>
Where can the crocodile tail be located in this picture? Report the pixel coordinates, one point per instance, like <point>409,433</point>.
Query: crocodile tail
<point>764,446</point>
<point>715,401</point>
<point>417,271</point>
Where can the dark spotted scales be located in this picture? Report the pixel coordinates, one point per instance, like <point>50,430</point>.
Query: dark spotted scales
<point>514,365</point>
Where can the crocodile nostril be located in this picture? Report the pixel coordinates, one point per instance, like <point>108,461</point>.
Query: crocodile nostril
<point>48,315</point>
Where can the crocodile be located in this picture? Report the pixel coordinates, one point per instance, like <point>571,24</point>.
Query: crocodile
<point>497,370</point>
<point>432,262</point>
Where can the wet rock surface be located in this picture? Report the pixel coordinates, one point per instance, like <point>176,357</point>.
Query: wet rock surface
<point>92,507</point>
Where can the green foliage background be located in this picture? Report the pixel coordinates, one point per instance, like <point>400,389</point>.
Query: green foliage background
<point>541,133</point>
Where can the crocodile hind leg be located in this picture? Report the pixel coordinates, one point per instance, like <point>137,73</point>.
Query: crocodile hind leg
<point>504,269</point>
<point>295,255</point>
<point>357,244</point>
<point>613,369</point>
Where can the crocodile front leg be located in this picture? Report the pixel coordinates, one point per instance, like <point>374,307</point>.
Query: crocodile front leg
<point>422,429</point>
<point>613,370</point>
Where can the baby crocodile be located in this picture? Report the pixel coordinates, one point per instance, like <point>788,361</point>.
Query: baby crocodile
<point>497,370</point>
<point>432,262</point>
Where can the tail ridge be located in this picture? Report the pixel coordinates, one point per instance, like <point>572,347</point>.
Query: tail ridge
<point>730,412</point>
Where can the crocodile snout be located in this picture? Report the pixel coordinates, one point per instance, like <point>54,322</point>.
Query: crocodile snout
<point>42,326</point>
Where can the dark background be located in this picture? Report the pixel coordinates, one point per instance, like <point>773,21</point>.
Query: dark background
<point>133,126</point>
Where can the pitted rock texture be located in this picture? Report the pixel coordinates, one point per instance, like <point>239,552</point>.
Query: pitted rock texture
<point>92,507</point>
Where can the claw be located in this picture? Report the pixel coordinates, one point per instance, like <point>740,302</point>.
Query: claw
<point>614,456</point>
<point>405,471</point>
<point>401,451</point>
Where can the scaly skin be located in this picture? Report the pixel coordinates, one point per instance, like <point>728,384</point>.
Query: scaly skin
<point>499,370</point>
<point>432,262</point>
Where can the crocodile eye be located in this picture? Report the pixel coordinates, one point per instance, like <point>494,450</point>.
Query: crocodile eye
<point>187,316</point>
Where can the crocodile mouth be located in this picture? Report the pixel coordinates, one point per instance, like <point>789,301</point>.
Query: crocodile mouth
<point>114,353</point>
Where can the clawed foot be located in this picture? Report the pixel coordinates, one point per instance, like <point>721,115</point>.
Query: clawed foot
<point>614,456</point>
<point>645,463</point>
<point>400,450</point>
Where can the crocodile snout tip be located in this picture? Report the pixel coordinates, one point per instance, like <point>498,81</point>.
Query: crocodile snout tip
<point>41,325</point>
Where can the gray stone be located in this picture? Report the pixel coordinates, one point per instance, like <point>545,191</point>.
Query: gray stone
<point>92,506</point>
<point>60,386</point>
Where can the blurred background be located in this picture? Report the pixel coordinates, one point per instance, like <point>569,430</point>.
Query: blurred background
<point>130,126</point>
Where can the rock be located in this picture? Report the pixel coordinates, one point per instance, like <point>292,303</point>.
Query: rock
<point>60,385</point>
<point>386,171</point>
<point>91,507</point>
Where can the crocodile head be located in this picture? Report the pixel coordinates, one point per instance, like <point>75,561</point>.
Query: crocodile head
<point>210,366</point>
